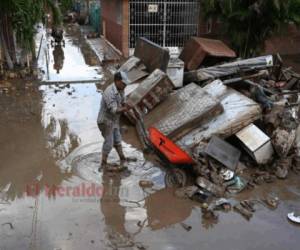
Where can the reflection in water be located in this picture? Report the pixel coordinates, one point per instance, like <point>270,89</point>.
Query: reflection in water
<point>59,57</point>
<point>69,63</point>
<point>113,212</point>
<point>164,209</point>
<point>25,158</point>
<point>59,138</point>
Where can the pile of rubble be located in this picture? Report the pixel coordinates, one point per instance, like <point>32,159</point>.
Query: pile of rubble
<point>237,119</point>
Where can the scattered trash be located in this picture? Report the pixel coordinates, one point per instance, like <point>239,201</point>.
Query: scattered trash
<point>243,211</point>
<point>186,227</point>
<point>257,143</point>
<point>207,213</point>
<point>283,140</point>
<point>175,71</point>
<point>210,187</point>
<point>227,174</point>
<point>282,167</point>
<point>248,205</point>
<point>221,203</point>
<point>228,69</point>
<point>220,121</point>
<point>238,186</point>
<point>294,217</point>
<point>272,202</point>
<point>223,152</point>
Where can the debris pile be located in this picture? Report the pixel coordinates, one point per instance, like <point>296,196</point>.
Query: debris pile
<point>237,121</point>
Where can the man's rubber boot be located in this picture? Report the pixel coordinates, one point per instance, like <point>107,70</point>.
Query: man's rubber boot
<point>103,162</point>
<point>120,152</point>
<point>123,158</point>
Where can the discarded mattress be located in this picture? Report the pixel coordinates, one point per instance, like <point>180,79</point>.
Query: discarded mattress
<point>182,111</point>
<point>239,112</point>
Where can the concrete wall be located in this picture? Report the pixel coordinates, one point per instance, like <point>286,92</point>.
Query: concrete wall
<point>115,18</point>
<point>125,34</point>
<point>111,11</point>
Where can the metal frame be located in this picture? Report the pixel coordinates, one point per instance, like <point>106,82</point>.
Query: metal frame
<point>167,23</point>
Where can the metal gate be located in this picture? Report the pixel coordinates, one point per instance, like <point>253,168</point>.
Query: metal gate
<point>168,23</point>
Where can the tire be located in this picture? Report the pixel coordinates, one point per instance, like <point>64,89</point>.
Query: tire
<point>176,178</point>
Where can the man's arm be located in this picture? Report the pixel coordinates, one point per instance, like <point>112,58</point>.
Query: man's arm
<point>112,105</point>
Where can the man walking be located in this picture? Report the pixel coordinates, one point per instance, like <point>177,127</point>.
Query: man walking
<point>112,106</point>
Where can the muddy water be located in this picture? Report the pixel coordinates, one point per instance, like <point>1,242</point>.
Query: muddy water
<point>52,196</point>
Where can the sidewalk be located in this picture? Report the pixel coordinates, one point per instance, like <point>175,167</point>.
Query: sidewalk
<point>105,52</point>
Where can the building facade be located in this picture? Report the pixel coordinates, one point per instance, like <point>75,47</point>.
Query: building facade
<point>168,23</point>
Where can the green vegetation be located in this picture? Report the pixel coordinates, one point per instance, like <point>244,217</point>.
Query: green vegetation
<point>248,23</point>
<point>19,17</point>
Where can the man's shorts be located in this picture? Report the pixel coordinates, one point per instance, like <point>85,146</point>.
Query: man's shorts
<point>112,136</point>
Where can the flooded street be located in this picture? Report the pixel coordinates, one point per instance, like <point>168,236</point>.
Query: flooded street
<point>53,197</point>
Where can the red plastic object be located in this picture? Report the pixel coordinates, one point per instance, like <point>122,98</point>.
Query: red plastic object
<point>169,149</point>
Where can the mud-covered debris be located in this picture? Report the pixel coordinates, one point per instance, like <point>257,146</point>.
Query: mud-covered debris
<point>223,152</point>
<point>232,69</point>
<point>272,202</point>
<point>186,227</point>
<point>243,211</point>
<point>210,187</point>
<point>294,217</point>
<point>239,185</point>
<point>249,205</point>
<point>220,204</point>
<point>207,213</point>
<point>282,167</point>
<point>227,174</point>
<point>282,141</point>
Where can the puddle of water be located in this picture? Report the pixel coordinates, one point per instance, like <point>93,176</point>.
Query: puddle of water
<point>61,62</point>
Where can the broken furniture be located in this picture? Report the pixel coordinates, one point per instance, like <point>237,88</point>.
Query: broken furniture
<point>238,112</point>
<point>256,143</point>
<point>152,55</point>
<point>202,50</point>
<point>150,92</point>
<point>134,69</point>
<point>175,72</point>
<point>147,57</point>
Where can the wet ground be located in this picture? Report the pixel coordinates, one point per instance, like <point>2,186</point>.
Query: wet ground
<point>52,197</point>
